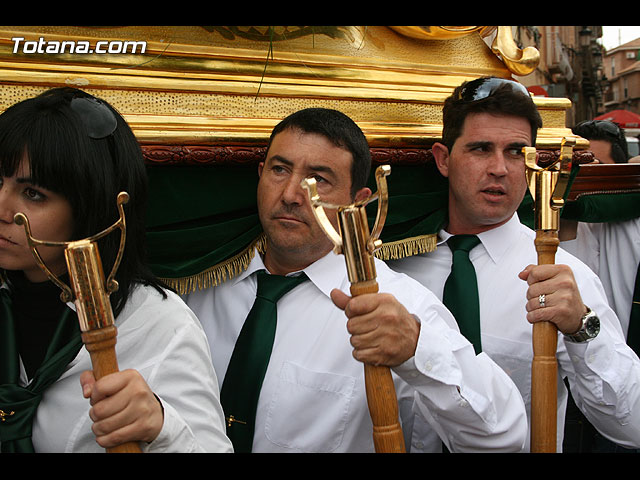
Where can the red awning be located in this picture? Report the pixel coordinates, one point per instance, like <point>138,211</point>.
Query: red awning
<point>624,118</point>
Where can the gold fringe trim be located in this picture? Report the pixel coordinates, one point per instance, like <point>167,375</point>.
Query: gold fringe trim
<point>220,272</point>
<point>237,264</point>
<point>407,247</point>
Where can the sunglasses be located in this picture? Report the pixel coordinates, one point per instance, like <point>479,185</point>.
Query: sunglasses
<point>485,87</point>
<point>602,126</point>
<point>98,119</point>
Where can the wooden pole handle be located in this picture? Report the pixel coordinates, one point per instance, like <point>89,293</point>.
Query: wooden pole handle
<point>101,345</point>
<point>544,368</point>
<point>381,395</point>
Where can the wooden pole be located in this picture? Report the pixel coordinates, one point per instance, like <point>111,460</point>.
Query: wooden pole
<point>101,345</point>
<point>544,368</point>
<point>99,333</point>
<point>357,244</point>
<point>548,186</point>
<point>381,395</point>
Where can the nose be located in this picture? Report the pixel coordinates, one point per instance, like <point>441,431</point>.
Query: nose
<point>498,165</point>
<point>293,193</point>
<point>7,209</point>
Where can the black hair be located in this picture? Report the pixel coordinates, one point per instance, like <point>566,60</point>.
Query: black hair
<point>88,172</point>
<point>504,100</point>
<point>608,131</point>
<point>339,129</point>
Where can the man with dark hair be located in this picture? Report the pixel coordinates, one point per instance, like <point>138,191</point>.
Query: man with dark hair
<point>341,131</point>
<point>612,250</point>
<point>487,122</point>
<point>606,140</point>
<point>312,395</point>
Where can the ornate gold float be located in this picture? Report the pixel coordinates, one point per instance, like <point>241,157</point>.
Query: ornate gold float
<point>204,99</point>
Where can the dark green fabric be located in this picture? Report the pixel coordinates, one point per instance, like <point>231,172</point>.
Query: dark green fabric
<point>605,207</point>
<point>15,429</point>
<point>633,334</point>
<point>250,358</point>
<point>460,294</point>
<point>417,202</point>
<point>200,216</point>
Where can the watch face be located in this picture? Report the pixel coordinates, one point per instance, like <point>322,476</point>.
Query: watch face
<point>593,326</point>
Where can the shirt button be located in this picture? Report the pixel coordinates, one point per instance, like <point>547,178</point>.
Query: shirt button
<point>428,366</point>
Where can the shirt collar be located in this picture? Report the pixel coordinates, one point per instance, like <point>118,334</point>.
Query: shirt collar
<point>493,239</point>
<point>327,273</point>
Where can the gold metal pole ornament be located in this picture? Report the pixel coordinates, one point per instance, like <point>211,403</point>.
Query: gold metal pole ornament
<point>357,244</point>
<point>91,295</point>
<point>548,186</point>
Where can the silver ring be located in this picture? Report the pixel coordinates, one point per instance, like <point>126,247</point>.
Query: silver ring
<point>541,300</point>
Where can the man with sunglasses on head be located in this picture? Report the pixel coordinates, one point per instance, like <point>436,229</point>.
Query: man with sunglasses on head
<point>487,122</point>
<point>610,248</point>
<point>606,140</point>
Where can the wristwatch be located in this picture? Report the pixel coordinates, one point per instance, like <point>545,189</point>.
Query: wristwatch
<point>589,330</point>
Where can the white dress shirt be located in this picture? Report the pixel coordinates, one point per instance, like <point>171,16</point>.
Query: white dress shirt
<point>612,250</point>
<point>313,396</point>
<point>604,374</point>
<point>162,340</point>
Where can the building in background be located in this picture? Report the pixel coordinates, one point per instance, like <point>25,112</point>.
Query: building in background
<point>573,64</point>
<point>622,69</point>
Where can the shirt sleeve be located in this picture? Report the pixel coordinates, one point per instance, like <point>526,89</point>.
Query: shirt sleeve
<point>468,399</point>
<point>186,384</point>
<point>604,374</point>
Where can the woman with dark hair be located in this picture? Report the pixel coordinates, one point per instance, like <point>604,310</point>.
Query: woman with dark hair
<point>64,157</point>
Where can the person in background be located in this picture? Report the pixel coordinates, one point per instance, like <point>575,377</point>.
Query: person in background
<point>612,251</point>
<point>606,140</point>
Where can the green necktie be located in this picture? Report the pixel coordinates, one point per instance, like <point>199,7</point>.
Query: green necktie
<point>461,289</point>
<point>19,404</point>
<point>250,358</point>
<point>633,335</point>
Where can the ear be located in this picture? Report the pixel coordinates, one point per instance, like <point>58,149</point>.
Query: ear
<point>260,168</point>
<point>441,156</point>
<point>362,194</point>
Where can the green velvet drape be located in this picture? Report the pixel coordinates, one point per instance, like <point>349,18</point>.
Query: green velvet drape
<point>202,216</point>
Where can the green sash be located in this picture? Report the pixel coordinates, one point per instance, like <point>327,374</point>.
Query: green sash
<point>18,405</point>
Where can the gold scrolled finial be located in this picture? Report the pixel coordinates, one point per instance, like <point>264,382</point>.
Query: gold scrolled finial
<point>353,238</point>
<point>111,285</point>
<point>548,185</point>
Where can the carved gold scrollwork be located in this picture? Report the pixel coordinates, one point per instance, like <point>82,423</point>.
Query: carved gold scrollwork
<point>440,33</point>
<point>518,61</point>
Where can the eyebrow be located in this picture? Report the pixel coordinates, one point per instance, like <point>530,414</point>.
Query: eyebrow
<point>481,143</point>
<point>29,180</point>
<point>313,168</point>
<point>519,145</point>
